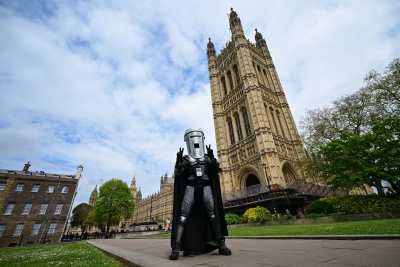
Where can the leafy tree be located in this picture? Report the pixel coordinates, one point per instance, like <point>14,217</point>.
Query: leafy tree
<point>354,160</point>
<point>114,203</point>
<point>334,136</point>
<point>79,216</point>
<point>354,114</point>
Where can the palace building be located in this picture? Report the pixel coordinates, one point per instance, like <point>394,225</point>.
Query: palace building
<point>155,208</point>
<point>259,147</point>
<point>34,206</point>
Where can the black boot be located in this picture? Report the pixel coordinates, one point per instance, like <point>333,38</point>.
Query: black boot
<point>175,251</point>
<point>223,249</point>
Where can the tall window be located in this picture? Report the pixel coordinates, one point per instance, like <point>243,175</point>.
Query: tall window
<point>260,74</point>
<point>223,82</point>
<point>27,209</point>
<point>280,123</point>
<point>52,229</point>
<point>246,121</point>
<point>265,76</point>
<point>2,230</point>
<point>273,119</point>
<point>237,76</point>
<point>51,189</point>
<point>19,188</point>
<point>238,126</point>
<point>18,229</point>
<point>43,209</point>
<point>269,119</point>
<point>2,186</point>
<point>230,128</point>
<point>229,74</point>
<point>9,209</point>
<point>65,189</point>
<point>255,70</point>
<point>35,188</point>
<point>58,209</point>
<point>35,229</point>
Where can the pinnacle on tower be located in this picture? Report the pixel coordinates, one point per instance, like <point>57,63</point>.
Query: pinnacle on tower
<point>234,22</point>
<point>260,41</point>
<point>210,48</point>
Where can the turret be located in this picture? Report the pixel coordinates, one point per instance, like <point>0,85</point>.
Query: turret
<point>235,24</point>
<point>262,44</point>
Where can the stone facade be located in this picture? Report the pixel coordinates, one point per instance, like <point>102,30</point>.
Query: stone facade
<point>93,197</point>
<point>156,207</point>
<point>257,139</point>
<point>34,206</point>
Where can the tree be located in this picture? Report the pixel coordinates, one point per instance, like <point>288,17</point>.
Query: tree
<point>354,160</point>
<point>114,203</point>
<point>79,216</point>
<point>336,130</point>
<point>354,114</point>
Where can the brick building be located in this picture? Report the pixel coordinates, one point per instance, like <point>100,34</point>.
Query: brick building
<point>34,206</point>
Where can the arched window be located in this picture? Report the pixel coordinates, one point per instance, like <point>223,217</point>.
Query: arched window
<point>230,129</point>
<point>224,85</point>
<point>265,76</point>
<point>273,119</point>
<point>269,119</point>
<point>236,71</point>
<point>229,74</point>
<point>255,69</point>
<point>288,173</point>
<point>246,121</point>
<point>238,126</point>
<point>280,123</point>
<point>252,180</point>
<point>260,74</point>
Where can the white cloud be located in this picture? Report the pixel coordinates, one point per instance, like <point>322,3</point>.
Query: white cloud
<point>114,85</point>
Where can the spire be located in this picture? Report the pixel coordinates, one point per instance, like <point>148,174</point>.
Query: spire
<point>133,182</point>
<point>234,22</point>
<point>210,48</point>
<point>261,43</point>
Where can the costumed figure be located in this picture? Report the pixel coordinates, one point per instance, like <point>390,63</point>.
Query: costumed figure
<point>198,224</point>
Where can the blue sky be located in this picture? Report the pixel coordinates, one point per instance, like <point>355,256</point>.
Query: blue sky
<point>113,85</point>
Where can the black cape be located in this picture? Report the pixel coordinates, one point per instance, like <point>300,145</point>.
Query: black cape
<point>198,236</point>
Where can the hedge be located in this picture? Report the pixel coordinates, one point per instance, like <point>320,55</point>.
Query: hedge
<point>355,204</point>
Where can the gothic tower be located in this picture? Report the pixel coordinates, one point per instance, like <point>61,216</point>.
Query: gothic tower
<point>256,136</point>
<point>93,197</point>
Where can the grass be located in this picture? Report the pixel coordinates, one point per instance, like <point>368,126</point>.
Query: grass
<point>55,255</point>
<point>366,227</point>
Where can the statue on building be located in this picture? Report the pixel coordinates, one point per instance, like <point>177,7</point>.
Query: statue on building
<point>198,223</point>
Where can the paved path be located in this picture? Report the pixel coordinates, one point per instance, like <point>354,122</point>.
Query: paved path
<point>253,252</point>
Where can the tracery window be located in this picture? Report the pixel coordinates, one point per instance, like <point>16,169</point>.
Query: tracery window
<point>238,126</point>
<point>230,129</point>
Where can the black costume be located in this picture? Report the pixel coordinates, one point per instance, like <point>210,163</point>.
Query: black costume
<point>198,224</point>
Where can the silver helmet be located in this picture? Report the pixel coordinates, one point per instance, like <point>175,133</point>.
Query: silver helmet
<point>194,139</point>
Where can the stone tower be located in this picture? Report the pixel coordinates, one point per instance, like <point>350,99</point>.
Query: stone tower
<point>93,197</point>
<point>256,136</point>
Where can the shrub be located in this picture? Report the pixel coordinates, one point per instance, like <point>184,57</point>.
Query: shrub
<point>364,204</point>
<point>257,214</point>
<point>320,207</point>
<point>355,204</point>
<point>232,218</point>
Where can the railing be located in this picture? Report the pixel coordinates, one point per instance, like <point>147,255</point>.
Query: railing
<point>247,192</point>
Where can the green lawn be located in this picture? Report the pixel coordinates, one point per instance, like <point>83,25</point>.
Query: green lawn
<point>52,255</point>
<point>367,227</point>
